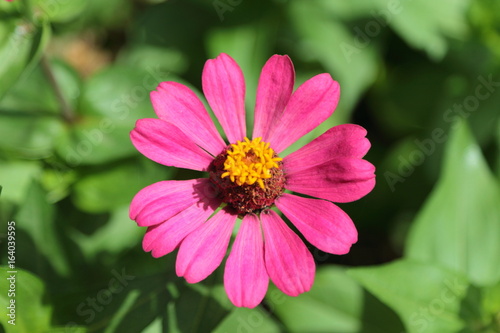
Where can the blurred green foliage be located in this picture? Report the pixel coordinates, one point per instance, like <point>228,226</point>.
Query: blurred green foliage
<point>422,76</point>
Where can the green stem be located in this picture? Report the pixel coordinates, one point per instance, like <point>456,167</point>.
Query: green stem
<point>67,112</point>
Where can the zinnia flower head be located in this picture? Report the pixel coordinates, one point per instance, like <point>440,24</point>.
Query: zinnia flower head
<point>248,177</point>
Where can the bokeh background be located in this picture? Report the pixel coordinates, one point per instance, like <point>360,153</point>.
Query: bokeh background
<point>422,76</point>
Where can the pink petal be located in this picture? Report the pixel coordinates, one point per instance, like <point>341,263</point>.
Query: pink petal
<point>203,250</point>
<point>288,262</point>
<point>224,88</point>
<point>245,276</point>
<point>166,144</point>
<point>340,141</point>
<point>160,201</point>
<point>165,237</point>
<point>273,92</point>
<point>179,105</point>
<point>311,104</point>
<point>341,180</point>
<point>322,223</point>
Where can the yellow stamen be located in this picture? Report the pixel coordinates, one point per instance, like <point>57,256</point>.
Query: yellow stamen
<point>250,162</point>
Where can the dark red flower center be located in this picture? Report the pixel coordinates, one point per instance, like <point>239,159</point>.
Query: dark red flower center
<point>248,176</point>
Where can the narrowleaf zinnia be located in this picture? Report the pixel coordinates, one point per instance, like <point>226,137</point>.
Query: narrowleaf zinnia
<point>247,177</point>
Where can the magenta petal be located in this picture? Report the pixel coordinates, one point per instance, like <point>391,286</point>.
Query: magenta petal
<point>340,141</point>
<point>311,104</point>
<point>224,88</point>
<point>203,250</point>
<point>245,276</point>
<point>273,93</point>
<point>165,237</point>
<point>341,180</point>
<point>322,223</point>
<point>179,105</point>
<point>288,262</point>
<point>166,144</point>
<point>160,201</point>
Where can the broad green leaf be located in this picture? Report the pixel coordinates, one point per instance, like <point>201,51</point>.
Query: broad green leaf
<point>155,326</point>
<point>21,45</point>
<point>426,297</point>
<point>328,41</point>
<point>120,228</point>
<point>336,303</point>
<point>15,177</point>
<point>113,187</point>
<point>125,307</point>
<point>111,102</point>
<point>125,300</point>
<point>25,294</point>
<point>57,10</point>
<point>29,135</point>
<point>354,9</point>
<point>195,309</point>
<point>459,225</point>
<point>65,329</point>
<point>33,94</point>
<point>109,13</point>
<point>426,24</point>
<point>498,151</point>
<point>36,218</point>
<point>158,59</point>
<point>491,305</point>
<point>255,320</point>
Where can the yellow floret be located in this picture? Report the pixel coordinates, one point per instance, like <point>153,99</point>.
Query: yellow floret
<point>250,162</point>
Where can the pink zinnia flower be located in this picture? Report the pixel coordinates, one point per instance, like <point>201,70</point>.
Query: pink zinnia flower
<point>247,178</point>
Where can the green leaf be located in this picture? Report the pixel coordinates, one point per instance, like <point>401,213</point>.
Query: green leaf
<point>113,187</point>
<point>33,94</point>
<point>491,303</point>
<point>324,39</point>
<point>32,314</point>
<point>15,177</point>
<point>459,225</point>
<point>21,45</point>
<point>111,102</point>
<point>149,57</point>
<point>328,41</point>
<point>36,219</point>
<point>426,24</point>
<point>126,302</point>
<point>196,309</point>
<point>426,297</point>
<point>255,320</point>
<point>120,228</point>
<point>59,11</point>
<point>336,303</point>
<point>73,329</point>
<point>28,135</point>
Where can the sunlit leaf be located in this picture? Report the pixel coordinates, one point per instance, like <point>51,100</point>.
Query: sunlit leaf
<point>36,218</point>
<point>426,297</point>
<point>120,228</point>
<point>21,45</point>
<point>111,102</point>
<point>459,225</point>
<point>25,295</point>
<point>16,177</point>
<point>336,303</point>
<point>427,24</point>
<point>113,187</point>
<point>58,11</point>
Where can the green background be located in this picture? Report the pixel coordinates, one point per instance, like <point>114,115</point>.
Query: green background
<point>422,77</point>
